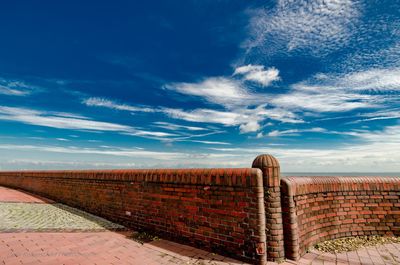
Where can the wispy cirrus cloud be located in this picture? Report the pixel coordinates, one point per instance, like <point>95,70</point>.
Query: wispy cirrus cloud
<point>210,142</point>
<point>35,117</point>
<point>12,92</point>
<point>60,164</point>
<point>321,101</point>
<point>276,133</point>
<point>102,102</point>
<point>127,152</point>
<point>15,87</point>
<point>137,157</point>
<point>388,114</point>
<point>71,122</point>
<point>173,126</point>
<point>365,80</point>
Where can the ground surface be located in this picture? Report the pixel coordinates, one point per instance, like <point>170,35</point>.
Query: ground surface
<point>35,230</point>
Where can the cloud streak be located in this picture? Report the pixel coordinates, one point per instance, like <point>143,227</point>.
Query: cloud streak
<point>102,102</point>
<point>71,122</point>
<point>376,80</point>
<point>15,88</point>
<point>276,133</point>
<point>134,153</point>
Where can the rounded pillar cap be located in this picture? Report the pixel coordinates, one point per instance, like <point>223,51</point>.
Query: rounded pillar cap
<point>265,161</point>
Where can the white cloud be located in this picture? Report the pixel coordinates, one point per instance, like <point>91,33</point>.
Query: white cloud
<point>173,127</point>
<point>259,135</point>
<point>251,126</point>
<point>219,90</point>
<point>226,118</point>
<point>388,114</point>
<point>39,118</point>
<point>71,122</point>
<point>374,79</point>
<point>334,101</point>
<point>376,151</point>
<point>248,120</point>
<point>134,153</point>
<point>210,142</point>
<point>258,74</point>
<point>292,132</point>
<point>389,135</point>
<point>136,157</point>
<point>62,139</point>
<point>15,87</point>
<point>367,79</point>
<point>327,92</point>
<point>40,164</point>
<point>12,92</point>
<point>242,107</point>
<point>375,43</point>
<point>101,102</point>
<point>207,115</point>
<point>150,133</point>
<point>277,113</point>
<point>316,27</point>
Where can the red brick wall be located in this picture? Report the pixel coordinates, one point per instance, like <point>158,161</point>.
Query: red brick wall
<point>221,210</point>
<point>320,208</point>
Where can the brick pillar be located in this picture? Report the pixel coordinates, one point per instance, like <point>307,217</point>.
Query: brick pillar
<point>269,165</point>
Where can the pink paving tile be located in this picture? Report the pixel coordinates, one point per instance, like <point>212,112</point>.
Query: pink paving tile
<point>94,248</point>
<point>11,195</point>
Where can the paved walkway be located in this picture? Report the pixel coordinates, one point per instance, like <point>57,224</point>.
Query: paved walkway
<point>34,230</point>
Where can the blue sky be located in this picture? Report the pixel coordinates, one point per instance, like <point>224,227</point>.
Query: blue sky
<point>140,84</point>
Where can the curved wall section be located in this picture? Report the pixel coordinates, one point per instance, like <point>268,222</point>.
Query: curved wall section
<point>321,208</point>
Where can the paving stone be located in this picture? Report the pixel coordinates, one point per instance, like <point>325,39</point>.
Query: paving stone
<point>17,217</point>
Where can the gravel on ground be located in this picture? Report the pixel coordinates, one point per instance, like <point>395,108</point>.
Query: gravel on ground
<point>353,243</point>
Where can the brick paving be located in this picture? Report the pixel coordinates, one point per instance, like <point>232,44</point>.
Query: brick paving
<point>24,217</point>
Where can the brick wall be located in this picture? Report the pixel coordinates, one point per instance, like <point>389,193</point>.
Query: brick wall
<point>235,212</point>
<point>221,210</point>
<point>320,208</point>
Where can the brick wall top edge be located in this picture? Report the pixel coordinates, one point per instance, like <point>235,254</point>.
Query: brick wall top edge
<point>202,176</point>
<point>316,184</point>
